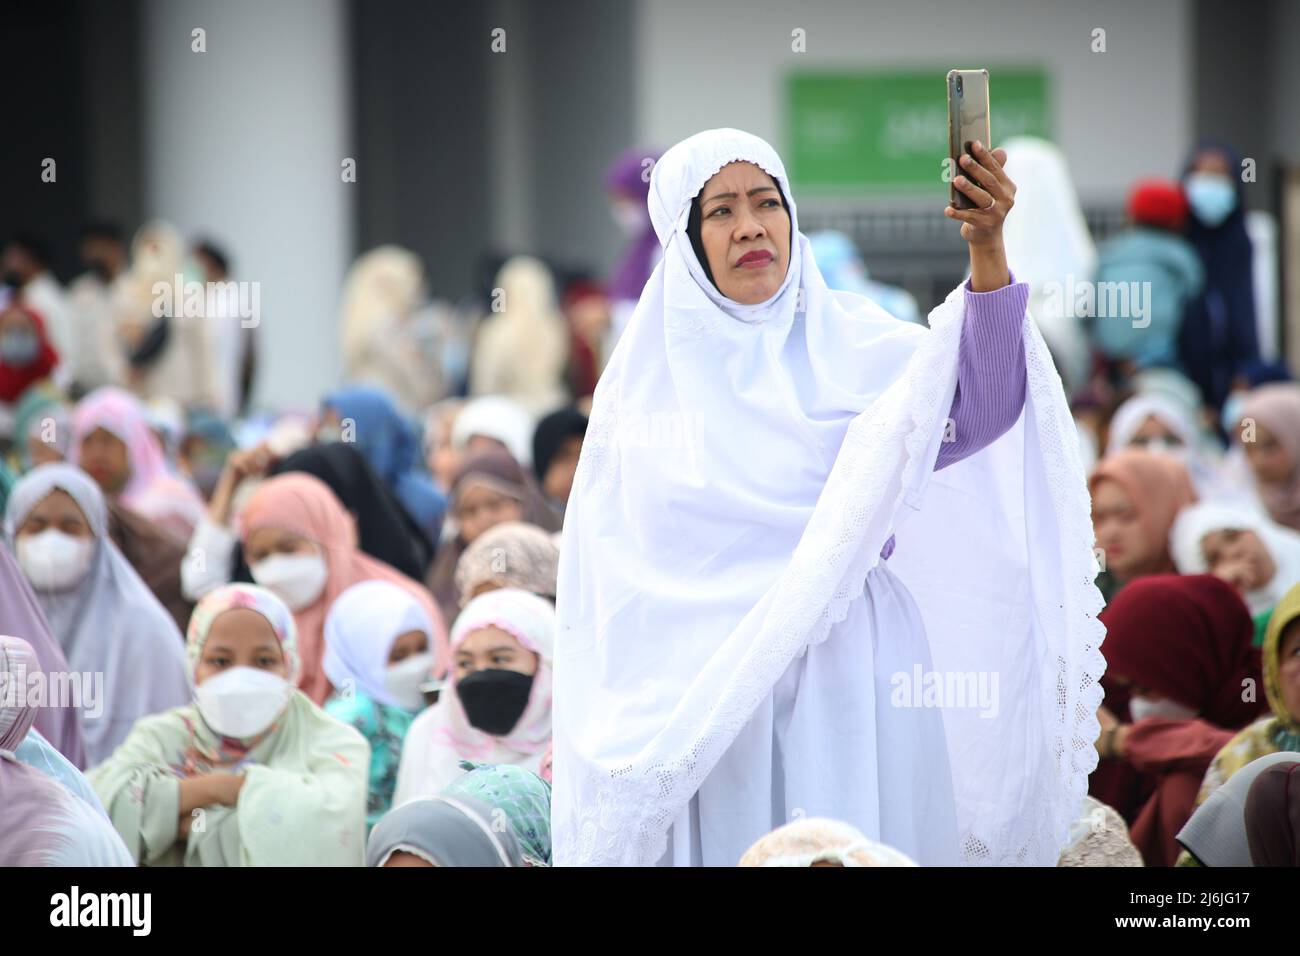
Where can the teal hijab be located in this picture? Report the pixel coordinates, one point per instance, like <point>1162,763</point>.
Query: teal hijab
<point>520,794</point>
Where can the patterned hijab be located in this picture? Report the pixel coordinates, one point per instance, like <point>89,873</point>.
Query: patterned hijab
<point>819,840</point>
<point>522,795</point>
<point>509,555</point>
<point>252,598</point>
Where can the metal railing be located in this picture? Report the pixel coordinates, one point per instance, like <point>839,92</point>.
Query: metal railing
<point>921,251</point>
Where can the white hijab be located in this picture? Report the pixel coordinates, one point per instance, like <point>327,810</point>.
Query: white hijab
<point>360,629</point>
<point>1203,461</point>
<point>743,467</point>
<point>1283,544</point>
<point>1048,241</point>
<point>109,624</point>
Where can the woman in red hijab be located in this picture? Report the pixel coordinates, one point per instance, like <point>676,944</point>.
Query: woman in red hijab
<point>26,355</point>
<point>1181,678</point>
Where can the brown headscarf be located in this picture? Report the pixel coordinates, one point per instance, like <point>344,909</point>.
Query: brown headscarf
<point>509,555</point>
<point>503,474</point>
<point>155,553</point>
<point>1273,816</point>
<point>1159,487</point>
<point>1276,406</point>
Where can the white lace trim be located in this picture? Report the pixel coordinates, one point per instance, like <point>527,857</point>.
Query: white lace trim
<point>636,804</point>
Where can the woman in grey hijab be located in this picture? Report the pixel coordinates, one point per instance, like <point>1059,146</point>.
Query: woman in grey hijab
<point>1216,833</point>
<point>118,639</point>
<point>443,831</point>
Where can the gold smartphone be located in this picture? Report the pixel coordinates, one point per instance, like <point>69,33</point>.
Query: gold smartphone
<point>968,120</point>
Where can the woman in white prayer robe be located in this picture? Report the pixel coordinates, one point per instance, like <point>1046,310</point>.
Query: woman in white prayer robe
<point>819,562</point>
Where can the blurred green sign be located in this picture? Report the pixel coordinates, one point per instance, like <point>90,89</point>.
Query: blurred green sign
<point>889,129</point>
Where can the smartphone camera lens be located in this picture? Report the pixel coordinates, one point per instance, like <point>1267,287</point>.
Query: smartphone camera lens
<point>959,84</point>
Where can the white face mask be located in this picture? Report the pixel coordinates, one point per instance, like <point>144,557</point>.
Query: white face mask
<point>243,701</point>
<point>1140,708</point>
<point>1165,446</point>
<point>54,561</point>
<point>296,579</point>
<point>404,679</point>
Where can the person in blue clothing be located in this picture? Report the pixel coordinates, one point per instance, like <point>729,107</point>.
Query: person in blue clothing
<point>1152,249</point>
<point>368,416</point>
<point>1219,338</point>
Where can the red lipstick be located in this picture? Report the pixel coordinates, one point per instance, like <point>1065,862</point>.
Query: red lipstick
<point>755,260</point>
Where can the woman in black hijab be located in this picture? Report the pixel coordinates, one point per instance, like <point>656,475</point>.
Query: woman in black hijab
<point>384,529</point>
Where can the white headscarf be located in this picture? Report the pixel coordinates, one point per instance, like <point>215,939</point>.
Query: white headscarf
<point>109,623</point>
<point>495,416</point>
<point>1200,458</point>
<point>743,468</point>
<point>1283,544</point>
<point>442,736</point>
<point>1048,241</point>
<point>1129,417</point>
<point>362,625</point>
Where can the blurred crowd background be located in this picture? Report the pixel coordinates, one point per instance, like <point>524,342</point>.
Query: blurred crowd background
<point>391,246</point>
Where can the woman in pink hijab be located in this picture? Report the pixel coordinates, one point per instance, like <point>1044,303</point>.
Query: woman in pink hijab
<point>301,543</point>
<point>113,443</point>
<point>1269,432</point>
<point>1136,495</point>
<point>45,823</point>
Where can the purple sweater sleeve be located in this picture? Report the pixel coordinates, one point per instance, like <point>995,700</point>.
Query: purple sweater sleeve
<point>990,374</point>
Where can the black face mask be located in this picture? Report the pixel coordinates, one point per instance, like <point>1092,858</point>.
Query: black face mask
<point>495,699</point>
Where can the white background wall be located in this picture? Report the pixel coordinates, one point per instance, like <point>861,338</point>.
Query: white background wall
<point>243,143</point>
<point>1119,114</point>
